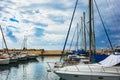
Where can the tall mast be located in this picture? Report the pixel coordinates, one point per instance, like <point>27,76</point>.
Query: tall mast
<point>69,30</point>
<point>77,36</point>
<point>84,31</point>
<point>4,39</point>
<point>93,31</point>
<point>25,43</point>
<point>90,30</point>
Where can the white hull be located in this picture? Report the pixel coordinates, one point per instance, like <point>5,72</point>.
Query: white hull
<point>32,56</point>
<point>88,76</point>
<point>13,60</point>
<point>4,61</point>
<point>22,57</point>
<point>88,72</point>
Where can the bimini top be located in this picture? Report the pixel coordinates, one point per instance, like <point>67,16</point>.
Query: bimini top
<point>111,60</point>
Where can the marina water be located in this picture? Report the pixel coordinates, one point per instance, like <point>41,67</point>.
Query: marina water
<point>29,70</point>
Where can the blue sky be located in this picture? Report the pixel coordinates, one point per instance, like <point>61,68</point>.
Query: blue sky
<point>45,22</point>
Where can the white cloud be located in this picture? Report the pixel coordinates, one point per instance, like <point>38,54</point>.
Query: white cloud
<point>53,37</point>
<point>55,32</point>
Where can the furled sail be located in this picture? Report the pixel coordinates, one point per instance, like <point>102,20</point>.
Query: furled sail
<point>111,60</point>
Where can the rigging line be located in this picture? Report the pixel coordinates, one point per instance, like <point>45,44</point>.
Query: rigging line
<point>87,30</point>
<point>78,37</point>
<point>4,40</point>
<point>82,26</point>
<point>80,31</point>
<point>72,38</point>
<point>103,25</point>
<point>69,29</point>
<point>114,10</point>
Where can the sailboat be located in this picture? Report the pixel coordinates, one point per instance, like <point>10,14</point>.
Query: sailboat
<point>4,60</point>
<point>78,54</point>
<point>23,55</point>
<point>4,57</point>
<point>106,69</point>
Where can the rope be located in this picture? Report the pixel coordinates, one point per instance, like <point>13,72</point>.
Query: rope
<point>69,29</point>
<point>103,25</point>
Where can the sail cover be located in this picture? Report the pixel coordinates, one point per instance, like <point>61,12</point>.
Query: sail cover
<point>111,60</point>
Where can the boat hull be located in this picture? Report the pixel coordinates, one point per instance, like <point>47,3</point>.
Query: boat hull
<point>4,61</point>
<point>88,76</point>
<point>22,58</point>
<point>32,56</point>
<point>13,60</point>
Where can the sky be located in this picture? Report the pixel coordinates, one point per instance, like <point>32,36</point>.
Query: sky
<point>45,22</point>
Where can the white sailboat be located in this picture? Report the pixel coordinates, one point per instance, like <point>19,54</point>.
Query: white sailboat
<point>23,55</point>
<point>107,69</point>
<point>4,60</point>
<point>13,58</point>
<point>4,57</point>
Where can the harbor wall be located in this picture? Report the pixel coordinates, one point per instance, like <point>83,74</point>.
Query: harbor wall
<point>43,52</point>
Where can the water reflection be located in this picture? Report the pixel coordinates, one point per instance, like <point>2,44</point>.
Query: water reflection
<point>28,70</point>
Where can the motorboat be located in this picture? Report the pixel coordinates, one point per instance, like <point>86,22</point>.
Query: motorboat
<point>105,70</point>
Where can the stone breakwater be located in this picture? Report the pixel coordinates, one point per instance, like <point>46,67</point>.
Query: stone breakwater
<point>43,52</point>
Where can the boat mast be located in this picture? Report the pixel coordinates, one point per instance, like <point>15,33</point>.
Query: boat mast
<point>81,30</point>
<point>25,43</point>
<point>4,39</point>
<point>84,31</point>
<point>90,30</point>
<point>77,37</point>
<point>93,31</point>
<point>69,30</point>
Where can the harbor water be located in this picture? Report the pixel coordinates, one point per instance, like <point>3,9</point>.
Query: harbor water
<point>29,70</point>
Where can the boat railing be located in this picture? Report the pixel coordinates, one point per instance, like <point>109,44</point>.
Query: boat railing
<point>101,69</point>
<point>91,68</point>
<point>52,66</point>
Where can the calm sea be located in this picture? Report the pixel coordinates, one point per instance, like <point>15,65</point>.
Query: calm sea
<point>30,70</point>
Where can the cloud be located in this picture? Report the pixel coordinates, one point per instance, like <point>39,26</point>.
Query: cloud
<point>47,21</point>
<point>11,35</point>
<point>41,24</point>
<point>34,23</point>
<point>39,32</point>
<point>57,19</point>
